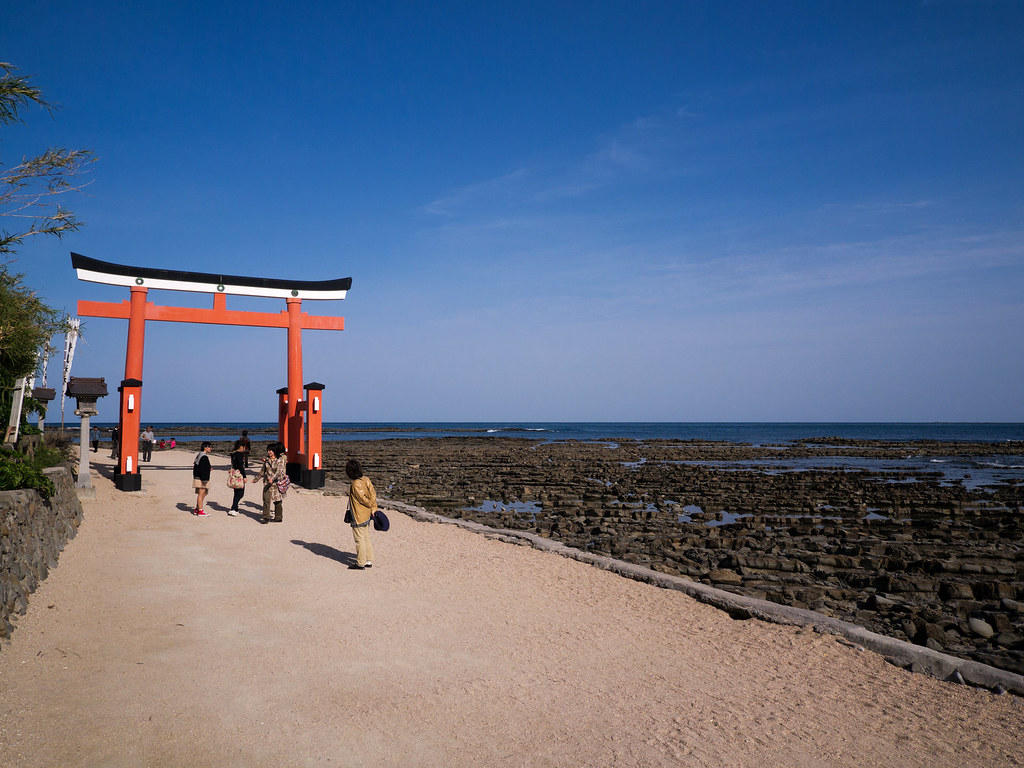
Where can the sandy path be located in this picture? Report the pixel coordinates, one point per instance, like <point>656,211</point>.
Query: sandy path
<point>168,640</point>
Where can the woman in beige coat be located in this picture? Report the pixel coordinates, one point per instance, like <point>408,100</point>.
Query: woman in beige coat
<point>362,503</point>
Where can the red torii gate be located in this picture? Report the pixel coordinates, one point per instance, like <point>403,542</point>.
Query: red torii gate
<point>304,466</point>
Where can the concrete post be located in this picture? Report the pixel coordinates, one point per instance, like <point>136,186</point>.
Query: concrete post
<point>84,478</point>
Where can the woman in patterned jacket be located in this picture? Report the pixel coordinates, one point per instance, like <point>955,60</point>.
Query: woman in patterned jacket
<point>272,471</point>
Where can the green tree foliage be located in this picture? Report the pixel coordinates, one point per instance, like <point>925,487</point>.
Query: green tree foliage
<point>27,197</point>
<point>18,471</point>
<point>26,324</point>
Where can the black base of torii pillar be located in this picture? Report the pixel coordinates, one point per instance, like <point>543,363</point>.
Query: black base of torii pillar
<point>132,482</point>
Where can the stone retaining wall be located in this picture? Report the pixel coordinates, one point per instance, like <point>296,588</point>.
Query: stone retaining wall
<point>33,532</point>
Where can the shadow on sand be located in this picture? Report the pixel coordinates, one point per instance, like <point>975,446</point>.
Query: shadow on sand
<point>345,558</point>
<point>106,470</point>
<point>255,511</point>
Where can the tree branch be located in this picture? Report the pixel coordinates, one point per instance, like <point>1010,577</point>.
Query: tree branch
<point>24,186</point>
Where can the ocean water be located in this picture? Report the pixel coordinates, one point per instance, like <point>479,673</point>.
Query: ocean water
<point>959,467</point>
<point>754,433</point>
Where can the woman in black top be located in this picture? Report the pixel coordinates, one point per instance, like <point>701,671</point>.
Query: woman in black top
<point>201,476</point>
<point>238,457</point>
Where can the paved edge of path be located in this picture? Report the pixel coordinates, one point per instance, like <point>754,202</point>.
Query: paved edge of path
<point>915,658</point>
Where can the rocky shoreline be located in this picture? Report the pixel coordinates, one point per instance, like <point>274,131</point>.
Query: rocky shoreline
<point>908,556</point>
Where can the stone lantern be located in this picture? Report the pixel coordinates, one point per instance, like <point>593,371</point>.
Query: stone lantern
<point>44,395</point>
<point>86,392</point>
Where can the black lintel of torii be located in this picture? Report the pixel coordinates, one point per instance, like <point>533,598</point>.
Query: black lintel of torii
<point>94,270</point>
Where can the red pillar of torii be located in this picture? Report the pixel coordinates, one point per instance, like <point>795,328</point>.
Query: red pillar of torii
<point>303,444</point>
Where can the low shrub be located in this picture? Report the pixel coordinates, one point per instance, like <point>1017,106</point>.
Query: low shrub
<point>17,472</point>
<point>57,448</point>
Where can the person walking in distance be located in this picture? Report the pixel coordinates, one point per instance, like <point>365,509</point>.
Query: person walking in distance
<point>362,503</point>
<point>272,473</point>
<point>201,477</point>
<point>148,438</point>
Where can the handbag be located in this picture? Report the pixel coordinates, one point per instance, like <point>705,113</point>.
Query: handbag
<point>380,521</point>
<point>284,484</point>
<point>235,479</point>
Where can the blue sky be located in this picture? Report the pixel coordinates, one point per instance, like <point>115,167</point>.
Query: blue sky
<point>663,211</point>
